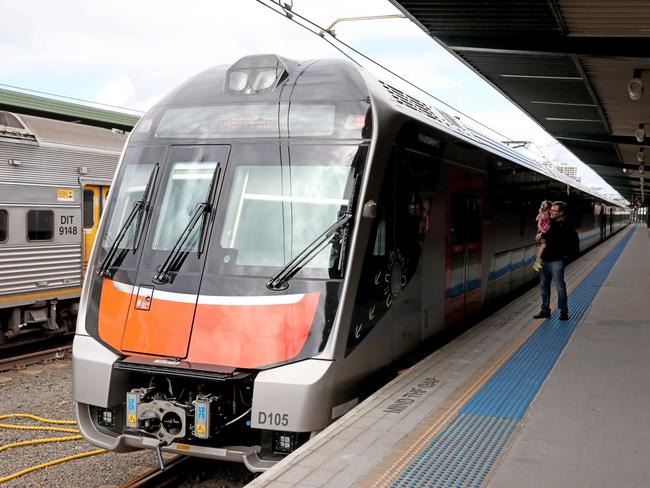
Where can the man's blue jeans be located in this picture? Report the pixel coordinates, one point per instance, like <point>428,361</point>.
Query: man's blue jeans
<point>553,270</point>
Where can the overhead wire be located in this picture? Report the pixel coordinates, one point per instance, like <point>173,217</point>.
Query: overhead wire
<point>289,13</point>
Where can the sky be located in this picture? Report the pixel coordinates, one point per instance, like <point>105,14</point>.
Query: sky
<point>131,53</point>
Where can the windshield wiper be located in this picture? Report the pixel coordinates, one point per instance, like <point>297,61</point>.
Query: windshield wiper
<point>280,281</point>
<point>139,208</point>
<point>146,204</point>
<point>177,255</point>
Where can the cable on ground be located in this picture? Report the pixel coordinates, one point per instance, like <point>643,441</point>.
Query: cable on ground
<point>42,441</point>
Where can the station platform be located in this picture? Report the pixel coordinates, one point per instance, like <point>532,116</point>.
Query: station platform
<point>514,401</point>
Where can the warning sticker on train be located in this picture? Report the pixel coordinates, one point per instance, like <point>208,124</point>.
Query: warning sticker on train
<point>64,195</point>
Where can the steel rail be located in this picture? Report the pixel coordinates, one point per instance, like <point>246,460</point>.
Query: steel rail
<point>175,472</point>
<point>23,360</point>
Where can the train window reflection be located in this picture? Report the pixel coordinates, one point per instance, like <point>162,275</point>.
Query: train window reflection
<point>188,186</point>
<point>130,191</point>
<point>88,209</point>
<point>312,120</point>
<point>3,225</point>
<point>274,212</point>
<point>40,225</point>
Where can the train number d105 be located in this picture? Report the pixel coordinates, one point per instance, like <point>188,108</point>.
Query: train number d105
<point>271,418</point>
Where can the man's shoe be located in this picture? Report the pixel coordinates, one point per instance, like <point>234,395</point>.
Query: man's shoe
<point>542,315</point>
<point>564,316</point>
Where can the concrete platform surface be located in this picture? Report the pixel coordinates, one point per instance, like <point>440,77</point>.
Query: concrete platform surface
<point>588,425</point>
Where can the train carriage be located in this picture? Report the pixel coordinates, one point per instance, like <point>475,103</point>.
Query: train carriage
<point>277,233</point>
<point>54,180</point>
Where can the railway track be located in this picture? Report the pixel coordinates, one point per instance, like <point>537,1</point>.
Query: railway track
<point>175,472</point>
<point>35,357</point>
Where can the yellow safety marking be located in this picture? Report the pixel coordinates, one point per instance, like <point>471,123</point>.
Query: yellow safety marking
<point>437,426</point>
<point>131,419</point>
<point>200,429</point>
<point>446,415</point>
<point>39,295</point>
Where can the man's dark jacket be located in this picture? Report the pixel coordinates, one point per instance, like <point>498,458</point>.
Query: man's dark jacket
<point>562,242</point>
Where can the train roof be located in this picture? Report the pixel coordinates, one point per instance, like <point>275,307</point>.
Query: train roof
<point>456,126</point>
<point>49,131</point>
<point>337,79</point>
<point>320,79</point>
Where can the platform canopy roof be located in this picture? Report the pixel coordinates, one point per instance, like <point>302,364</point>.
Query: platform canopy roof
<point>567,64</point>
<point>28,104</point>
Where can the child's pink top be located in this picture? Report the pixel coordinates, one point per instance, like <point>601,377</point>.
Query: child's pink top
<point>543,222</point>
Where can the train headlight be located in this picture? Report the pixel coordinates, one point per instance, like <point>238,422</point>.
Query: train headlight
<point>237,80</point>
<point>252,75</point>
<point>106,417</point>
<point>284,442</point>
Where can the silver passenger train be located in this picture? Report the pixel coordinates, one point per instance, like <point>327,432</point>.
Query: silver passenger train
<point>277,233</point>
<point>54,178</point>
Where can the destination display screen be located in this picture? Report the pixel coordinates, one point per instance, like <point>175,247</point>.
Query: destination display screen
<point>243,120</point>
<point>316,119</point>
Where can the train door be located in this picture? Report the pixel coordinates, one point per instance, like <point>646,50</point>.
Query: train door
<point>94,201</point>
<point>611,221</point>
<point>174,245</point>
<point>464,244</point>
<point>414,182</point>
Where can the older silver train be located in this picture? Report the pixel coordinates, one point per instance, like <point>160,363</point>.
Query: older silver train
<point>54,179</point>
<point>278,232</point>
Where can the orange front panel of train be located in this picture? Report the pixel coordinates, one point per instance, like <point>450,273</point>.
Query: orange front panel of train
<point>163,330</point>
<point>113,309</point>
<point>249,336</point>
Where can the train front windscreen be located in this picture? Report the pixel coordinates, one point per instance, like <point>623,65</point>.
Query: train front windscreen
<point>214,214</point>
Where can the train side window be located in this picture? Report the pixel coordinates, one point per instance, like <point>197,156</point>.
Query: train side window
<point>89,217</point>
<point>4,227</point>
<point>40,225</point>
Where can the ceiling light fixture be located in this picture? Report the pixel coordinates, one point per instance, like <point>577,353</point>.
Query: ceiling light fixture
<point>635,85</point>
<point>542,77</point>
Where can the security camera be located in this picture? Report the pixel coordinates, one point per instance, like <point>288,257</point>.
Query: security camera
<point>639,134</point>
<point>635,88</point>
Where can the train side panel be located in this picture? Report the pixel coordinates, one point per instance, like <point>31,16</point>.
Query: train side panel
<point>42,230</point>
